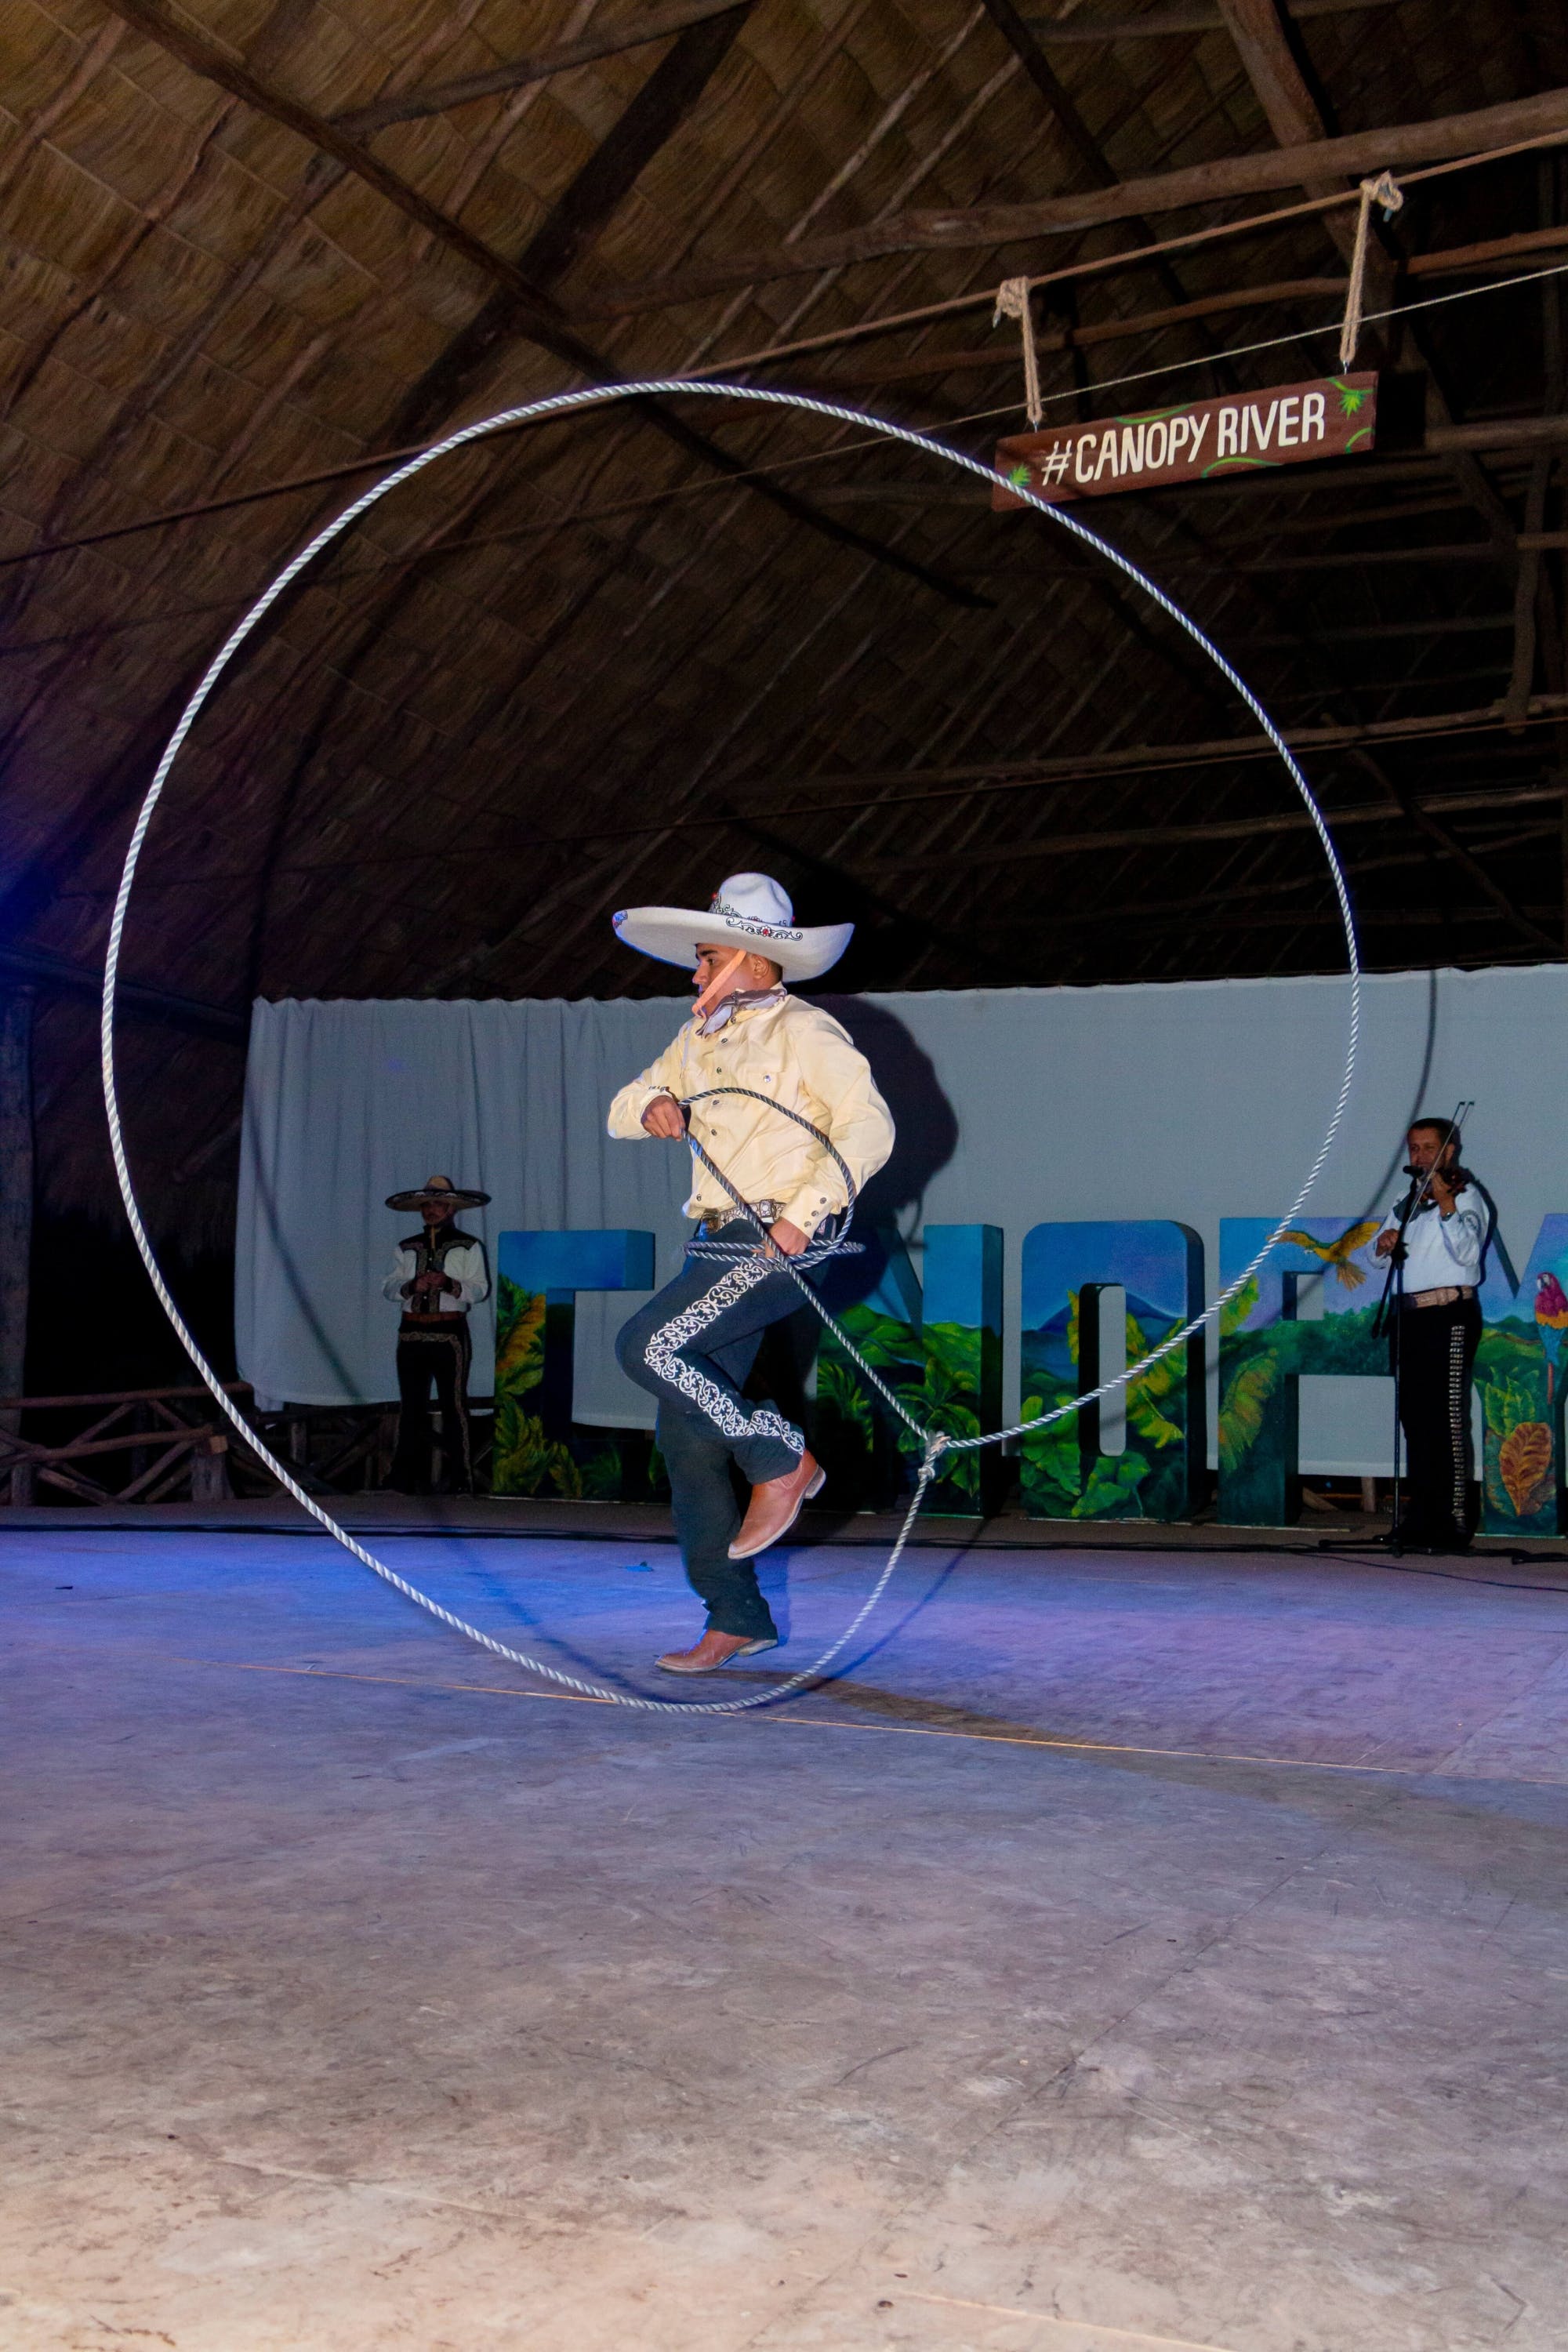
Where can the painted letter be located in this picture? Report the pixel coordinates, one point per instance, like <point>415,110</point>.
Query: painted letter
<point>1065,1473</point>
<point>1108,457</point>
<point>1083,448</point>
<point>1200,426</point>
<point>1227,447</point>
<point>1312,426</point>
<point>1156,445</point>
<point>1289,436</point>
<point>539,1275</point>
<point>1262,434</point>
<point>1132,450</point>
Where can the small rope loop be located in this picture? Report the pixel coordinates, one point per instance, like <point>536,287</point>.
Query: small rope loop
<point>1012,302</point>
<point>1386,192</point>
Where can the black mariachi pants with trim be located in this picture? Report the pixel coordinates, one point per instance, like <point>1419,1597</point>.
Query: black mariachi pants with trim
<point>1435,1351</point>
<point>692,1347</point>
<point>438,1352</point>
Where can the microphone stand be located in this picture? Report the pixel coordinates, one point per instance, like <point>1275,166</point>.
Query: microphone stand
<point>1393,1291</point>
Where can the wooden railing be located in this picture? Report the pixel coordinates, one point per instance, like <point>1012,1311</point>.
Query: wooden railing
<point>170,1447</point>
<point>178,1445</point>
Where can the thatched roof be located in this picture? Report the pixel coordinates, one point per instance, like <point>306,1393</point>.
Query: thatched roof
<point>612,659</point>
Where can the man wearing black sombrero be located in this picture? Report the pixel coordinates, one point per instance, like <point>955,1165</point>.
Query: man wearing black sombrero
<point>438,1275</point>
<point>693,1346</point>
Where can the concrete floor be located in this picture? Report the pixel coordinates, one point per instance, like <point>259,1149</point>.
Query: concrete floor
<point>1129,1951</point>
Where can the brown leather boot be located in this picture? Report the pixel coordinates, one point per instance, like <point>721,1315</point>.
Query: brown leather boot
<point>774,1507</point>
<point>713,1650</point>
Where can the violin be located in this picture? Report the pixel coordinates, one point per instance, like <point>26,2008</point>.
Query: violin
<point>1455,1177</point>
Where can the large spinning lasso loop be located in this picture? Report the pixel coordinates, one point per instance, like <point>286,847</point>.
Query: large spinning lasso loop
<point>936,1442</point>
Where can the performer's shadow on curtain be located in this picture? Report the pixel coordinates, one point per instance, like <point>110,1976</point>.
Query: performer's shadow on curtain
<point>891,1205</point>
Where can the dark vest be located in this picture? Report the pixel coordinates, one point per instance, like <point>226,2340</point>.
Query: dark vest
<point>430,1248</point>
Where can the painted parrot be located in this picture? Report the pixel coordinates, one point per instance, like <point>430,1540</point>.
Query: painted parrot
<point>1551,1314</point>
<point>1338,1253</point>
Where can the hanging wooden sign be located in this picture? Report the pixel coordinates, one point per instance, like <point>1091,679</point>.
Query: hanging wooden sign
<point>1336,417</point>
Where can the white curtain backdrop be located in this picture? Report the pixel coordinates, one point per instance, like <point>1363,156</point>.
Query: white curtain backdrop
<point>1195,1101</point>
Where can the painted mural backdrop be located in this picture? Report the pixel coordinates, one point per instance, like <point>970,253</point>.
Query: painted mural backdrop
<point>1064,1471</point>
<point>941,1354</point>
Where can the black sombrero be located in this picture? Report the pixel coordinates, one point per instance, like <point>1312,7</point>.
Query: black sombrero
<point>440,1187</point>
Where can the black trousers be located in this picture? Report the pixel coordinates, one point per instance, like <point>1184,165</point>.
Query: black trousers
<point>438,1353</point>
<point>692,1347</point>
<point>1435,1350</point>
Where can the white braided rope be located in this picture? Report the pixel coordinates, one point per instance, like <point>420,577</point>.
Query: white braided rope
<point>936,1442</point>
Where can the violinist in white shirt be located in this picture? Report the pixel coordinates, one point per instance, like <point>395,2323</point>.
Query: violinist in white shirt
<point>1441,1222</point>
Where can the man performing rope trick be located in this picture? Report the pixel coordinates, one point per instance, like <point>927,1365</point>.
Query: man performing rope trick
<point>693,1345</point>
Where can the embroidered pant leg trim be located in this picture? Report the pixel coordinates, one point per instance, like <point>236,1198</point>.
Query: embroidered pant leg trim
<point>663,1357</point>
<point>442,1357</point>
<point>1458,1428</point>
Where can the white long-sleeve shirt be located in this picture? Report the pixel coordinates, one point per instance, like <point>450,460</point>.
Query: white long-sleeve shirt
<point>1441,1251</point>
<point>466,1266</point>
<point>797,1055</point>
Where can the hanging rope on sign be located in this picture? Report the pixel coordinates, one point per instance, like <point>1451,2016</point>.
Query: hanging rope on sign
<point>1386,191</point>
<point>1012,302</point>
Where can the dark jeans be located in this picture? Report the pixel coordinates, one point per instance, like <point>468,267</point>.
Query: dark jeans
<point>692,1347</point>
<point>1435,1349</point>
<point>439,1353</point>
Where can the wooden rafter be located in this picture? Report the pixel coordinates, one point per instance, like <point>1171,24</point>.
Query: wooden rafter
<point>543,65</point>
<point>532,311</point>
<point>1090,156</point>
<point>1176,17</point>
<point>1544,115</point>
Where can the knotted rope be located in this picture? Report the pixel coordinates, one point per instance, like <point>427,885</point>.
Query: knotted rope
<point>1386,191</point>
<point>1012,302</point>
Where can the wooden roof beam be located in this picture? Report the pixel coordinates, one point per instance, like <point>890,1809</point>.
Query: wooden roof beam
<point>1263,44</point>
<point>1408,804</point>
<point>1020,39</point>
<point>535,313</point>
<point>611,40</point>
<point>979,227</point>
<point>1179,16</point>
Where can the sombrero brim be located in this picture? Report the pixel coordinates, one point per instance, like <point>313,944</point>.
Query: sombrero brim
<point>451,1199</point>
<point>673,935</point>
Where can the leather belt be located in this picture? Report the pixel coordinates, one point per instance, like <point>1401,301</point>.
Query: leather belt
<point>1444,1297</point>
<point>713,1221</point>
<point>433,1322</point>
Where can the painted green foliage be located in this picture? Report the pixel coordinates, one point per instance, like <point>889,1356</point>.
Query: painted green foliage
<point>1263,1350</point>
<point>939,1354</point>
<point>937,1372</point>
<point>1062,1479</point>
<point>1519,1376</point>
<point>853,1435</point>
<point>590,1465</point>
<point>1519,1482</point>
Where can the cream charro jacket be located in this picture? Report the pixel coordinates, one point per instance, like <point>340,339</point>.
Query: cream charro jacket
<point>799,1055</point>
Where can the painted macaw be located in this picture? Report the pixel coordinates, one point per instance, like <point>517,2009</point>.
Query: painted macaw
<point>1551,1314</point>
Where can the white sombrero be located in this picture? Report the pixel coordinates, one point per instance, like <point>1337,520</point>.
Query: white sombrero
<point>749,910</point>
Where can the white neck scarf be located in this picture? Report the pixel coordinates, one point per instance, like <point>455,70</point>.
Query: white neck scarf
<point>741,999</point>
